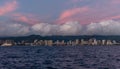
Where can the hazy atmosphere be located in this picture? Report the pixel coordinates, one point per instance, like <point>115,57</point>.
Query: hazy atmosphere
<point>59,17</point>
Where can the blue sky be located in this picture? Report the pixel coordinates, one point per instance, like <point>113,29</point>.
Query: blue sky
<point>53,10</point>
<point>58,12</point>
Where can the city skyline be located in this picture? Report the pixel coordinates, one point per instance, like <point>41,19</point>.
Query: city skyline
<point>59,17</point>
<point>51,42</point>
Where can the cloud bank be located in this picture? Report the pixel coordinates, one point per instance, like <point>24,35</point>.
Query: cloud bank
<point>109,27</point>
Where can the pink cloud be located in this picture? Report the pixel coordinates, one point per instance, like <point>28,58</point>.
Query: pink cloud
<point>115,1</point>
<point>8,7</point>
<point>68,14</point>
<point>29,19</point>
<point>112,18</point>
<point>76,1</point>
<point>89,14</point>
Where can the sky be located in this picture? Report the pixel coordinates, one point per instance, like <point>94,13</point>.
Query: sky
<point>59,17</point>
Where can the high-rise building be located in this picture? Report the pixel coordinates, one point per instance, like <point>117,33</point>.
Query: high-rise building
<point>109,42</point>
<point>103,42</point>
<point>50,43</point>
<point>77,41</point>
<point>95,42</point>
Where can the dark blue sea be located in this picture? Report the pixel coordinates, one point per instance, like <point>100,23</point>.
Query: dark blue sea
<point>60,57</point>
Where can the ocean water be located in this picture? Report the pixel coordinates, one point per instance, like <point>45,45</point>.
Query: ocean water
<point>69,57</point>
